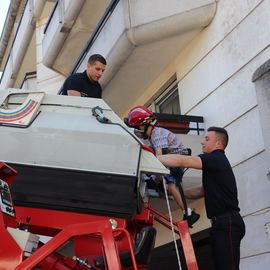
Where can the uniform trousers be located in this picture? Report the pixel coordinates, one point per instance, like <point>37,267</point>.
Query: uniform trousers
<point>227,231</point>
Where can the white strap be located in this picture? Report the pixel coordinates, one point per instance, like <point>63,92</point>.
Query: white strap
<point>171,221</point>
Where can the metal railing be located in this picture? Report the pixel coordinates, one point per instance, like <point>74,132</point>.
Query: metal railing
<point>28,75</point>
<point>180,123</point>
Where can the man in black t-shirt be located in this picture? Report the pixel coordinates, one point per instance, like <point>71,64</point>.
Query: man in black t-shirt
<point>220,194</point>
<point>86,84</point>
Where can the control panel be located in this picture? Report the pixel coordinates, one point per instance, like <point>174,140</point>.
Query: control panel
<point>5,199</point>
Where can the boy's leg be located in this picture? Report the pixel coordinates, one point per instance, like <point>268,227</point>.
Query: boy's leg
<point>176,194</point>
<point>191,216</point>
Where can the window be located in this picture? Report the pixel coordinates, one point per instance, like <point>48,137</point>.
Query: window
<point>166,108</point>
<point>168,101</point>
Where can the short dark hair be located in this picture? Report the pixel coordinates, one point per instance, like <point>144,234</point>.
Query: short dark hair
<point>97,57</point>
<point>222,134</point>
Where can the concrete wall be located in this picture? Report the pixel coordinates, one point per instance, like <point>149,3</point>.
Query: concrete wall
<point>214,74</point>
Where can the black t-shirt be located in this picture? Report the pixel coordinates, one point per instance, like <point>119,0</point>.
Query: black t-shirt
<point>81,83</point>
<point>220,191</point>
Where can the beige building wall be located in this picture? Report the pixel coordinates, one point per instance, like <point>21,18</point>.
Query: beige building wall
<point>214,78</point>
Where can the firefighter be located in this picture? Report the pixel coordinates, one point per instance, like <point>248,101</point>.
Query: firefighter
<point>220,194</point>
<point>86,84</point>
<point>162,141</point>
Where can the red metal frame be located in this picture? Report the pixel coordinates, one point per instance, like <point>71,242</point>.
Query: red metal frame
<point>9,249</point>
<point>185,238</point>
<point>49,222</point>
<point>10,252</point>
<point>7,173</point>
<point>102,228</point>
<point>85,231</point>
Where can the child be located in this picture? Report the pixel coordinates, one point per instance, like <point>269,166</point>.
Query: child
<point>163,142</point>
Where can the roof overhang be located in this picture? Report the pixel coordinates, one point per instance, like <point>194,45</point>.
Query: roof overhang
<point>67,31</point>
<point>140,39</point>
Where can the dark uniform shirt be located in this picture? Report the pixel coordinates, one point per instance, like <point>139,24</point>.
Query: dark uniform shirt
<point>81,83</point>
<point>220,192</point>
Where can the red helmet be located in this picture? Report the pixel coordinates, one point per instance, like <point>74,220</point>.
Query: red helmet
<point>139,116</point>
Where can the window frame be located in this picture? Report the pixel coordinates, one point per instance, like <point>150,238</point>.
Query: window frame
<point>169,91</point>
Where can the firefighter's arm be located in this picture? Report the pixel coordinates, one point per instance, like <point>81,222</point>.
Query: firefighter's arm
<point>174,160</point>
<point>194,193</point>
<point>73,93</point>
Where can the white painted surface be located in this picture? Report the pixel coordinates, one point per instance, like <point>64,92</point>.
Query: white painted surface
<point>263,97</point>
<point>153,10</point>
<point>245,134</point>
<point>259,262</point>
<point>66,135</point>
<point>253,184</point>
<point>239,47</point>
<point>229,15</point>
<point>231,99</point>
<point>47,79</point>
<point>257,239</point>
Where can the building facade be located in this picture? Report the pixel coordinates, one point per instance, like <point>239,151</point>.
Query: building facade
<point>191,57</point>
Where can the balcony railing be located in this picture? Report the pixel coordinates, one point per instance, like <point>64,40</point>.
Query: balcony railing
<point>181,124</point>
<point>28,79</point>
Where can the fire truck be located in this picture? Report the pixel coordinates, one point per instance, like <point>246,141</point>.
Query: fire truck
<point>72,194</point>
